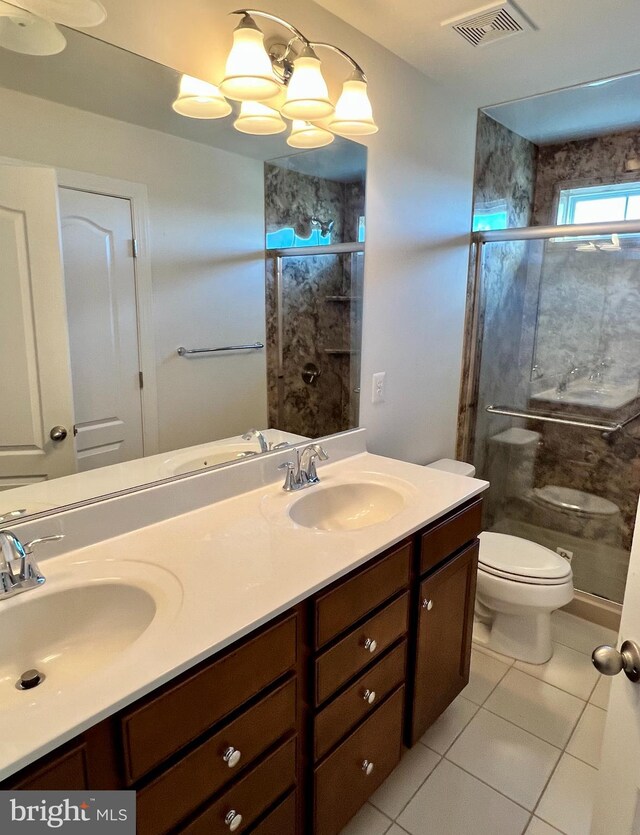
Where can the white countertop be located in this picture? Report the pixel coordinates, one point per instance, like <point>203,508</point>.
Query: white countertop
<point>231,566</point>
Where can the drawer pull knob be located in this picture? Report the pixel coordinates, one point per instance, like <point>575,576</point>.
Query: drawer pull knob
<point>427,604</point>
<point>233,820</point>
<point>369,696</point>
<point>371,645</point>
<point>232,756</point>
<point>367,767</point>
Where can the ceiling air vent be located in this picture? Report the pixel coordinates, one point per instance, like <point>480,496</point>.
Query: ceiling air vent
<point>490,23</point>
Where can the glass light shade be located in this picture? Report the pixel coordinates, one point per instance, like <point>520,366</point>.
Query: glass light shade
<point>304,135</point>
<point>81,13</point>
<point>258,119</point>
<point>200,100</point>
<point>307,93</point>
<point>354,116</point>
<point>21,31</point>
<point>248,74</point>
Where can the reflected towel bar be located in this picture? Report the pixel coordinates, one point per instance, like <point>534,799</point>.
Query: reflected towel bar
<point>186,352</point>
<point>607,428</point>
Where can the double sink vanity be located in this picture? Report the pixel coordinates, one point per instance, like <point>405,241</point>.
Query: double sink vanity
<point>246,658</point>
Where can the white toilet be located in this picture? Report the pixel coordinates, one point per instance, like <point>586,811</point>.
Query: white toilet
<point>520,583</point>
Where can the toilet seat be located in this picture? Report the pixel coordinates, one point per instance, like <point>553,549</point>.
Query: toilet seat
<point>577,501</point>
<point>521,561</point>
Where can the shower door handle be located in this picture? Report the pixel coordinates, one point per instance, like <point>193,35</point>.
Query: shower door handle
<point>609,661</point>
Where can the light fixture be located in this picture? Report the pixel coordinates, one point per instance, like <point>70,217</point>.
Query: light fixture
<point>305,135</point>
<point>258,119</point>
<point>307,93</point>
<point>248,73</point>
<point>21,31</point>
<point>198,99</point>
<point>354,116</point>
<point>81,13</point>
<point>286,81</point>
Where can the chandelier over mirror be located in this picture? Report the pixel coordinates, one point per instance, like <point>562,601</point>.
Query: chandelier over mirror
<point>286,81</point>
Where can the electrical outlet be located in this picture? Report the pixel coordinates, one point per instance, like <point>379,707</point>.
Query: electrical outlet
<point>566,555</point>
<point>377,389</point>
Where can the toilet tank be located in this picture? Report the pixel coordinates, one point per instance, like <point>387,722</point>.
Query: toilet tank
<point>511,460</point>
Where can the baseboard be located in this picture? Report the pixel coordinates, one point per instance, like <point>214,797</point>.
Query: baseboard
<point>595,609</point>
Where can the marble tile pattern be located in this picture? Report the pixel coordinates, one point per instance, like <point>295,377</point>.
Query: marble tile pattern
<point>312,324</point>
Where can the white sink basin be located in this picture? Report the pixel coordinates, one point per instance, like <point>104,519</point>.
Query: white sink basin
<point>346,507</point>
<point>209,458</point>
<point>80,623</point>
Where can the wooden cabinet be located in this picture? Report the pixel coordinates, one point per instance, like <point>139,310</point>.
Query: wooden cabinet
<point>291,729</point>
<point>445,607</point>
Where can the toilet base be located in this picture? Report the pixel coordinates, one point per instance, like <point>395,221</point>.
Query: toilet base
<point>524,637</point>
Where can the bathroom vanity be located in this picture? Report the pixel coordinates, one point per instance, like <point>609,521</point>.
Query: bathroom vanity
<point>291,727</point>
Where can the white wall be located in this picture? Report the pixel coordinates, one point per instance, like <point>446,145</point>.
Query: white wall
<point>419,187</point>
<point>206,242</point>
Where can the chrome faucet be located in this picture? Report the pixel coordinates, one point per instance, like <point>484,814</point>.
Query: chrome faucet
<point>568,378</point>
<point>260,438</point>
<point>19,571</point>
<point>302,473</point>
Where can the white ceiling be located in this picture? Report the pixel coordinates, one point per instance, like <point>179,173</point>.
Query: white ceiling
<point>575,41</point>
<point>575,113</point>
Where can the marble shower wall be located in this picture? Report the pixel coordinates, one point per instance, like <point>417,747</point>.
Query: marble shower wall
<point>505,177</point>
<point>321,306</point>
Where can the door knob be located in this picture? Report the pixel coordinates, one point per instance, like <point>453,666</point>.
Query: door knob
<point>609,661</point>
<point>58,433</point>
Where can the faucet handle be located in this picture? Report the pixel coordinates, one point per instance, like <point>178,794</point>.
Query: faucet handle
<point>28,546</point>
<point>289,479</point>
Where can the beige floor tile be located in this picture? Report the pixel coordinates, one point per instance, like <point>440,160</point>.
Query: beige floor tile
<point>368,821</point>
<point>539,708</point>
<point>511,760</point>
<point>600,695</point>
<point>506,659</point>
<point>567,801</point>
<point>539,827</point>
<point>398,789</point>
<point>568,669</point>
<point>442,734</point>
<point>586,741</point>
<point>579,634</point>
<point>486,672</point>
<point>396,830</point>
<point>453,802</point>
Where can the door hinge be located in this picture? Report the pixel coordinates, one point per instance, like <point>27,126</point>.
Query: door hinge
<point>134,247</point>
<point>141,379</point>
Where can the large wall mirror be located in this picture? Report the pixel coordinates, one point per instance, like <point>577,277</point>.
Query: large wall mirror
<point>146,321</point>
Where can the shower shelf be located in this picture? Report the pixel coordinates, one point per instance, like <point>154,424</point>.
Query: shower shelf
<point>342,298</point>
<point>340,352</point>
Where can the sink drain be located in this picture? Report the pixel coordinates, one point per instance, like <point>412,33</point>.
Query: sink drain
<point>30,679</point>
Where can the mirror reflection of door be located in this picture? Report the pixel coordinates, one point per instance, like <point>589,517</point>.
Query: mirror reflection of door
<point>97,241</point>
<point>36,375</point>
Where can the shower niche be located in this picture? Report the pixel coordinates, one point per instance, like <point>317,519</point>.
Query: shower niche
<point>314,211</point>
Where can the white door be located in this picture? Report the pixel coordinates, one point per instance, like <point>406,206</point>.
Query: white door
<point>616,807</point>
<point>97,240</point>
<point>34,359</point>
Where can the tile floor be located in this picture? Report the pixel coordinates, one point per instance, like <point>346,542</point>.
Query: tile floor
<point>516,752</point>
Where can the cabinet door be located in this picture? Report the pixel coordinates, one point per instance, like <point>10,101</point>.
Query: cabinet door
<point>443,648</point>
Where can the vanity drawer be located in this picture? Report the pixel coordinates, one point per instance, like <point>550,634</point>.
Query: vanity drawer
<point>341,784</point>
<point>180,790</point>
<point>282,821</point>
<point>449,536</point>
<point>351,655</point>
<point>183,711</point>
<point>350,707</point>
<point>341,607</point>
<point>251,796</point>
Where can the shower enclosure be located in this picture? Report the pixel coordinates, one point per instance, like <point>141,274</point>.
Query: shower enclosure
<point>551,400</point>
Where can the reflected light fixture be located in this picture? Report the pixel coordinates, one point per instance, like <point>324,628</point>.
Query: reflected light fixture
<point>305,135</point>
<point>82,13</point>
<point>200,100</point>
<point>258,119</point>
<point>287,81</point>
<point>21,31</point>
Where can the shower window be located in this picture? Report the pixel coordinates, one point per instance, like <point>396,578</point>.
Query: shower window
<point>599,204</point>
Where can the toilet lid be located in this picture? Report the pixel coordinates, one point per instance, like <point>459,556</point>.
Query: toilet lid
<point>576,500</point>
<point>512,556</point>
